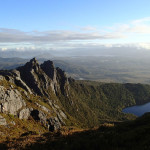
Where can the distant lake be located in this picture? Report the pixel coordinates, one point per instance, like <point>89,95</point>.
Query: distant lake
<point>138,110</point>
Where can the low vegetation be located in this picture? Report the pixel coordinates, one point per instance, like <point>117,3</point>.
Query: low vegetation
<point>133,135</point>
<point>103,102</point>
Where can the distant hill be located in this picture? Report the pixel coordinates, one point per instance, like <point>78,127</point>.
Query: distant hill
<point>99,68</point>
<point>11,63</point>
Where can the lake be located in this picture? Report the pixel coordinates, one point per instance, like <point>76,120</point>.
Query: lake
<point>138,110</point>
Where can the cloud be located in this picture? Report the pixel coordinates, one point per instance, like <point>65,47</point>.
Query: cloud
<point>83,36</point>
<point>89,28</point>
<point>140,29</point>
<point>139,21</point>
<point>14,36</point>
<point>141,26</point>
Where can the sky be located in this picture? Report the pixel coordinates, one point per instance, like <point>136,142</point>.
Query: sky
<point>67,24</point>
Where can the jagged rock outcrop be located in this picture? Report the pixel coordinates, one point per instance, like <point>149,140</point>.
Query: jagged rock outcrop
<point>43,78</point>
<point>34,77</point>
<point>13,76</point>
<point>39,80</point>
<point>51,72</point>
<point>18,81</point>
<point>49,69</point>
<point>63,81</point>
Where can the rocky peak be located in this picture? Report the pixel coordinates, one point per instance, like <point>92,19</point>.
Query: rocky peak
<point>31,65</point>
<point>63,81</point>
<point>34,61</point>
<point>43,80</point>
<point>39,79</point>
<point>49,69</point>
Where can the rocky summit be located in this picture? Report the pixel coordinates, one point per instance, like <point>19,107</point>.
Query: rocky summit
<point>31,91</point>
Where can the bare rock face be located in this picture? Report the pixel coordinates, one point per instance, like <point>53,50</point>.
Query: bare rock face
<point>24,113</point>
<point>39,79</point>
<point>57,109</point>
<point>13,76</point>
<point>35,78</point>
<point>39,116</point>
<point>49,69</point>
<point>18,81</point>
<point>60,114</point>
<point>51,72</point>
<point>54,124</point>
<point>43,80</point>
<point>43,108</point>
<point>62,81</point>
<point>10,101</point>
<point>2,121</point>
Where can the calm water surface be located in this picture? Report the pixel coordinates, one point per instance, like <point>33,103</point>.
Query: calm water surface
<point>138,110</point>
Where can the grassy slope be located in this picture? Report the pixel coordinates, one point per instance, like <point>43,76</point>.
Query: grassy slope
<point>131,135</point>
<point>89,104</point>
<point>92,103</point>
<point>141,92</point>
<point>103,102</point>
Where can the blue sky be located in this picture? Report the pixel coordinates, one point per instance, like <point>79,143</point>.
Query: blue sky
<point>61,24</point>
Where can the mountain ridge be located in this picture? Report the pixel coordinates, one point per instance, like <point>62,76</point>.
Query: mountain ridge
<point>40,98</point>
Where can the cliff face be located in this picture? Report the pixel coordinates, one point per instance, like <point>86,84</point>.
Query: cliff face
<point>43,78</point>
<point>33,81</point>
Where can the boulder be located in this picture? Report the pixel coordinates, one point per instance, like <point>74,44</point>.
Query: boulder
<point>53,124</point>
<point>2,121</point>
<point>24,113</point>
<point>39,116</point>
